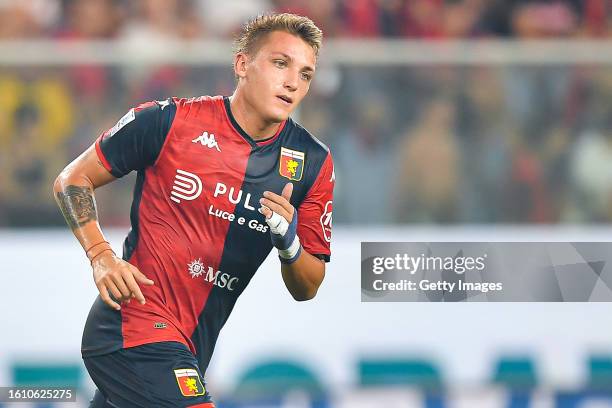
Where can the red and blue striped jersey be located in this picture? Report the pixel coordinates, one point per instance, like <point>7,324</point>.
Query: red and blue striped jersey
<point>195,228</point>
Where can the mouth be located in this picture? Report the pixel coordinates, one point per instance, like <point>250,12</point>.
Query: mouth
<point>287,100</point>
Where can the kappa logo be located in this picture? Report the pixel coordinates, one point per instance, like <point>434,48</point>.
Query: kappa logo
<point>187,186</point>
<point>208,140</point>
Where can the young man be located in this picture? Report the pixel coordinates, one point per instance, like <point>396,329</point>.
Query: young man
<point>220,182</point>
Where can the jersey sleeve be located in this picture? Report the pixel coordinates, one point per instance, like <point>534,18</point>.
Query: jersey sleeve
<point>315,213</point>
<point>137,139</point>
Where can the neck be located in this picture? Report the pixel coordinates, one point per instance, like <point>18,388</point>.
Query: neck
<point>248,119</point>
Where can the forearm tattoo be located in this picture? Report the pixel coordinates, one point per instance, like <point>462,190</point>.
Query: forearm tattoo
<point>78,205</point>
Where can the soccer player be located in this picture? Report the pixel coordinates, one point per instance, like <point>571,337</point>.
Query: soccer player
<point>220,182</point>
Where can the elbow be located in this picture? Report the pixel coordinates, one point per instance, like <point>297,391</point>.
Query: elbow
<point>303,296</point>
<point>57,184</point>
<point>70,177</point>
<point>60,182</point>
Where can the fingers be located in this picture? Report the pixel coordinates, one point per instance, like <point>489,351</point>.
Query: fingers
<point>277,208</point>
<point>281,199</point>
<point>135,289</point>
<point>287,190</point>
<point>112,288</point>
<point>106,297</point>
<point>119,283</point>
<point>265,211</point>
<point>140,277</point>
<point>125,293</point>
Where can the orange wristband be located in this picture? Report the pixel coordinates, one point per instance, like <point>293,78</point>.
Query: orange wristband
<point>102,251</point>
<point>93,246</point>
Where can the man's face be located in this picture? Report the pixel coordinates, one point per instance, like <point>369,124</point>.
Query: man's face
<point>278,75</point>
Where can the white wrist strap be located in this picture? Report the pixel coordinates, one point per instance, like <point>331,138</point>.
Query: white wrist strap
<point>292,251</point>
<point>278,224</point>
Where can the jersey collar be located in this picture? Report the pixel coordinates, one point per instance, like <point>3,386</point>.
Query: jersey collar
<point>245,135</point>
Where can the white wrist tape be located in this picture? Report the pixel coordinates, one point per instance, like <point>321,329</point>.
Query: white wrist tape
<point>278,224</point>
<point>288,248</point>
<point>292,251</point>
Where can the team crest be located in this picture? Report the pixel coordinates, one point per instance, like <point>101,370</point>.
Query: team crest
<point>189,382</point>
<point>291,164</point>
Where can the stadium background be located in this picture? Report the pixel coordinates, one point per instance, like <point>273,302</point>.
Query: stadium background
<point>448,120</point>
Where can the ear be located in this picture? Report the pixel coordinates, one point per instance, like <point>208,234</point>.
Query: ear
<point>240,64</point>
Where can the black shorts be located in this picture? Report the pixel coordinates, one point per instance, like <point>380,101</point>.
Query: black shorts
<point>164,374</point>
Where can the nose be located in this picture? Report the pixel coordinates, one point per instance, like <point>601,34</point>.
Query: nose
<point>291,82</point>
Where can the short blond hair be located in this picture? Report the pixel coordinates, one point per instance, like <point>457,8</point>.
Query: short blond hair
<point>256,29</point>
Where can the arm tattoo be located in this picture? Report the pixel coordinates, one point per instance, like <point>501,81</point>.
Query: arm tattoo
<point>78,205</point>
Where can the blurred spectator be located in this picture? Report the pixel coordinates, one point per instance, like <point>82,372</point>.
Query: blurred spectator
<point>25,96</point>
<point>596,14</point>
<point>364,156</point>
<point>158,25</point>
<point>485,130</point>
<point>591,168</point>
<point>363,18</point>
<point>518,143</point>
<point>27,19</point>
<point>460,18</point>
<point>160,22</point>
<point>27,170</point>
<point>423,19</point>
<point>427,181</point>
<point>543,19</point>
<point>526,197</point>
<point>91,19</point>
<point>223,19</point>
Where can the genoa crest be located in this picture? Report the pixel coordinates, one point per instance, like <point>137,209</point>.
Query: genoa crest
<point>291,164</point>
<point>189,382</point>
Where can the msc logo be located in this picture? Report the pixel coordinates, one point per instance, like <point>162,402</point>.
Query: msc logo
<point>217,278</point>
<point>207,140</point>
<point>326,221</point>
<point>187,186</point>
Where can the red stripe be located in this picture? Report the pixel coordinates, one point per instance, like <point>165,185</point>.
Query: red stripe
<point>273,138</point>
<point>101,156</point>
<point>144,106</point>
<point>177,298</point>
<point>205,405</point>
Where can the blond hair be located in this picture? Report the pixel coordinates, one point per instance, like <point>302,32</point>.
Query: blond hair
<point>254,30</point>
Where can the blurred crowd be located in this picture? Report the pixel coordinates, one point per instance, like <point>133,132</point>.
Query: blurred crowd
<point>412,144</point>
<point>189,19</point>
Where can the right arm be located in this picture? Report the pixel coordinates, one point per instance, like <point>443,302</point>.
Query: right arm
<point>134,143</point>
<point>74,193</point>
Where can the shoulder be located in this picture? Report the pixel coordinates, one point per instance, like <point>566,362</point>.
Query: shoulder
<point>300,138</point>
<point>313,157</point>
<point>197,106</point>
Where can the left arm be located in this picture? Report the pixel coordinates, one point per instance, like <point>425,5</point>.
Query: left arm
<point>302,272</point>
<point>304,276</point>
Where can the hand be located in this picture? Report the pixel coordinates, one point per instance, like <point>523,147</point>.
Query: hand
<point>115,276</point>
<point>281,217</point>
<point>278,204</point>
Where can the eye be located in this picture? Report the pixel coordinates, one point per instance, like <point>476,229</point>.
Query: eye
<point>306,76</point>
<point>280,63</point>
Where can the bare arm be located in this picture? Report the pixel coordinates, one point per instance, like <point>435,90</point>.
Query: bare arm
<point>74,193</point>
<point>304,275</point>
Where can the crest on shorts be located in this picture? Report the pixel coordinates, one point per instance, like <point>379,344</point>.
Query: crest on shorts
<point>291,164</point>
<point>189,382</point>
